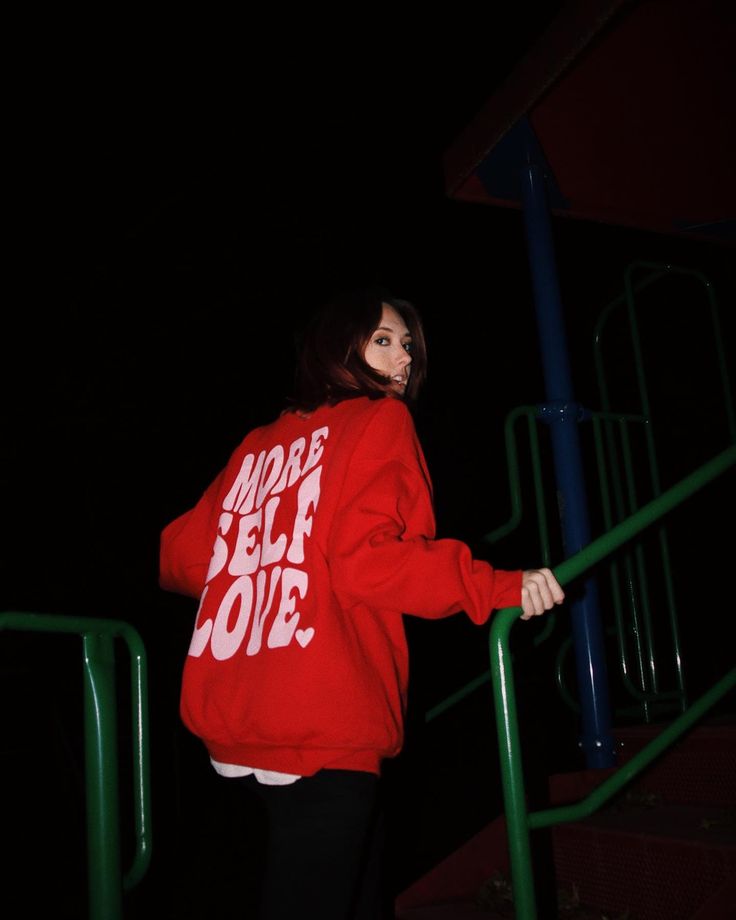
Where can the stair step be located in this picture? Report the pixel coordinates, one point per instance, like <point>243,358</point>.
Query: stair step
<point>701,768</point>
<point>662,862</point>
<point>663,849</point>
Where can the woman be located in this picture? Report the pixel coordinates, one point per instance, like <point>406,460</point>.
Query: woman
<point>306,552</point>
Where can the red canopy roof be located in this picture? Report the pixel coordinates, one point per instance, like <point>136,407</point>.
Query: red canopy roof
<point>633,107</point>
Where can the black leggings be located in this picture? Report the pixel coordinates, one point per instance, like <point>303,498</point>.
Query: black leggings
<point>325,846</point>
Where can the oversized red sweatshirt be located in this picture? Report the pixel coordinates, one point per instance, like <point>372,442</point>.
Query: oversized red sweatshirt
<point>306,552</point>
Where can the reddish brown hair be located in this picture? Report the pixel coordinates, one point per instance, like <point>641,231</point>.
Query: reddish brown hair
<point>331,366</point>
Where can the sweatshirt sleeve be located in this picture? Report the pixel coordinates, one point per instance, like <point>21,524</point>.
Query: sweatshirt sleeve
<point>382,549</point>
<point>186,546</point>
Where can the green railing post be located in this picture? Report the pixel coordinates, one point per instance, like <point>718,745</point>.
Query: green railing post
<point>141,754</point>
<point>512,775</point>
<point>101,755</point>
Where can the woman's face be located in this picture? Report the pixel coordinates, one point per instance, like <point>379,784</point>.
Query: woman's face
<point>388,349</point>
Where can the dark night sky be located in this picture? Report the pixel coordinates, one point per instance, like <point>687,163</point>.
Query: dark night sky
<point>181,203</point>
<point>178,207</point>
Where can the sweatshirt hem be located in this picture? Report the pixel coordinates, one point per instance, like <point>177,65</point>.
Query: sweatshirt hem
<point>297,761</point>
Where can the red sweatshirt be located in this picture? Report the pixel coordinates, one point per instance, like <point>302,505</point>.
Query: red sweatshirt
<point>306,551</point>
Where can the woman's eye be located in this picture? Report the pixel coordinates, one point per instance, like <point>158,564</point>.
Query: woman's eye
<point>408,346</point>
<point>382,340</point>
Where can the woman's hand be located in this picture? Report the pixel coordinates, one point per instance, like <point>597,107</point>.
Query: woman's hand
<point>540,591</point>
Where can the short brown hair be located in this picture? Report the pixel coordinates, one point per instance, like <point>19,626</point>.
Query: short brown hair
<point>331,366</point>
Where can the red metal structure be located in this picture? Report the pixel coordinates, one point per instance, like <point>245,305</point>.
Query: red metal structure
<point>633,107</point>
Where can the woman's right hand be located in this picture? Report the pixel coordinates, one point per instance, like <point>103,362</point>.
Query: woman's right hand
<point>540,591</point>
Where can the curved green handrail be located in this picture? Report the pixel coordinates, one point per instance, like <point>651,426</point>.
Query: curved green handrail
<point>518,821</point>
<point>103,837</point>
<point>512,465</point>
<point>530,413</point>
<point>639,277</point>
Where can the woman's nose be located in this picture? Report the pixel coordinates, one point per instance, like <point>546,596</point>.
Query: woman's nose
<point>404,357</point>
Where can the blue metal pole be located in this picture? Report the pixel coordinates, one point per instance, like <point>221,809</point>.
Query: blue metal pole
<point>563,414</point>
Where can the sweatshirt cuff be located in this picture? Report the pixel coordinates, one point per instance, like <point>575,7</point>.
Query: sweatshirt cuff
<point>507,589</point>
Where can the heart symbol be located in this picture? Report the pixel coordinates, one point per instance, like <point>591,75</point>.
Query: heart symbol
<point>304,636</point>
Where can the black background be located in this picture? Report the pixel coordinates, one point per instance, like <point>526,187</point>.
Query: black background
<point>179,203</point>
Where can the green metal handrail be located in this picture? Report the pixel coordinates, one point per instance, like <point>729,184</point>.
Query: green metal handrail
<point>105,884</point>
<point>530,413</point>
<point>626,505</point>
<point>640,677</point>
<point>639,277</point>
<point>609,787</point>
<point>518,820</point>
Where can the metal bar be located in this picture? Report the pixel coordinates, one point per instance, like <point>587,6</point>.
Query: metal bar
<point>99,632</point>
<point>648,514</point>
<point>590,658</point>
<point>615,576</point>
<point>512,463</point>
<point>141,773</point>
<point>512,776</point>
<point>633,286</point>
<point>530,412</point>
<point>457,696</point>
<point>638,612</point>
<point>659,271</point>
<point>610,786</point>
<point>101,756</point>
<point>518,822</point>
